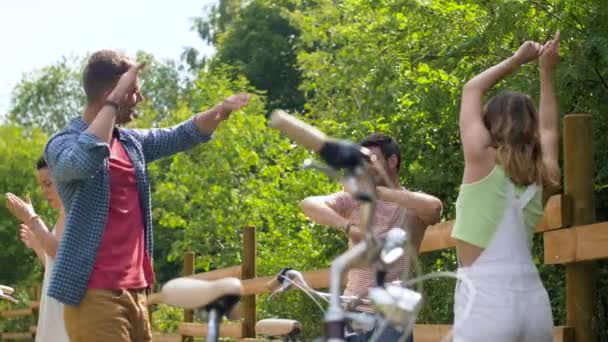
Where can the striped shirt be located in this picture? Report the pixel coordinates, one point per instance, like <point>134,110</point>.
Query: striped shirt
<point>388,215</point>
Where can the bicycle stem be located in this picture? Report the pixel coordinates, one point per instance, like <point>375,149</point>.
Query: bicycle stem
<point>214,325</point>
<point>364,252</point>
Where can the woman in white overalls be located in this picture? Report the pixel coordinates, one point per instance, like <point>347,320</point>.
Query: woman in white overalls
<point>510,152</point>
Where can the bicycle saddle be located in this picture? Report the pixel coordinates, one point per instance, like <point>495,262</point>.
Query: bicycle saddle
<point>191,293</point>
<point>6,289</point>
<point>277,327</point>
<point>5,292</point>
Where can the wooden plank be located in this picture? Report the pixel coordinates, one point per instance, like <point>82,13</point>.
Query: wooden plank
<point>17,313</point>
<point>248,272</point>
<point>317,279</point>
<point>233,271</point>
<point>435,332</point>
<point>166,338</point>
<point>560,246</point>
<point>256,286</point>
<point>430,332</point>
<point>439,237</point>
<point>33,329</point>
<point>16,336</point>
<point>35,304</point>
<point>556,214</point>
<point>563,334</point>
<point>582,243</point>
<point>233,330</point>
<point>155,298</point>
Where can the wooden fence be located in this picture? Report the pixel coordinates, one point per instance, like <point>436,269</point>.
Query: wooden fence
<point>28,315</point>
<point>571,237</point>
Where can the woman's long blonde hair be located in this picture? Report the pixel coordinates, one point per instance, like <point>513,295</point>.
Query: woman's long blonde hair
<point>512,120</point>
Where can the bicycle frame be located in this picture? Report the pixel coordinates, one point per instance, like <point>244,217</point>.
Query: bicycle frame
<point>358,180</point>
<point>214,321</point>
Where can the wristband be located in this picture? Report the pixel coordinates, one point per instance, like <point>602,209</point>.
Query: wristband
<point>111,104</point>
<point>222,111</point>
<point>32,218</point>
<point>347,228</point>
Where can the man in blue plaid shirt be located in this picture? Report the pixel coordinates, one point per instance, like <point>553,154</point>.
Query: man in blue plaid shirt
<point>104,262</point>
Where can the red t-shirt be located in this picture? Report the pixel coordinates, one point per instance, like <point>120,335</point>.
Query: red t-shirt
<point>122,260</point>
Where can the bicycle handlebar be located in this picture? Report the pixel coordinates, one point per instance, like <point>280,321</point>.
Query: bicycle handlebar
<point>287,277</point>
<point>339,154</point>
<point>277,282</point>
<point>355,160</point>
<point>303,133</point>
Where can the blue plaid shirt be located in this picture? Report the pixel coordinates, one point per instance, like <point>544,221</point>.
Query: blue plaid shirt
<point>78,161</point>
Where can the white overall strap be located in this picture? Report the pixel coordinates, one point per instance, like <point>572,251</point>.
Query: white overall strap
<point>509,244</point>
<point>527,196</point>
<point>511,197</point>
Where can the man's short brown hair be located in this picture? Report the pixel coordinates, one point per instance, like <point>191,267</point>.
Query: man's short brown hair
<point>102,71</point>
<point>387,144</point>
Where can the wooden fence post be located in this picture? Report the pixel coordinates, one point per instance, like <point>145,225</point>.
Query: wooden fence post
<point>188,270</point>
<point>578,185</point>
<point>249,272</point>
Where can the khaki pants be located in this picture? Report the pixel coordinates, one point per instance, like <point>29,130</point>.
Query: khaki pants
<point>109,315</point>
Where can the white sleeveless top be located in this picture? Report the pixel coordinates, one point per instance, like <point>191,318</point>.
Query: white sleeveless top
<point>51,327</point>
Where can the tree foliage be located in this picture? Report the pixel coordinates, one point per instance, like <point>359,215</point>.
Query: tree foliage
<point>49,97</point>
<point>349,67</point>
<point>258,41</point>
<point>19,151</point>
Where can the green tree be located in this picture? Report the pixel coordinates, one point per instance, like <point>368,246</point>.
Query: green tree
<point>393,65</point>
<point>49,97</point>
<point>399,65</point>
<point>258,41</point>
<point>19,151</point>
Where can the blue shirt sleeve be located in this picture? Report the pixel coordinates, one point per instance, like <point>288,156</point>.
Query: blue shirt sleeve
<point>162,142</point>
<point>74,156</point>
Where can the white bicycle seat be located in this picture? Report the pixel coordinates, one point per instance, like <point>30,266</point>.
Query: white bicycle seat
<point>191,293</point>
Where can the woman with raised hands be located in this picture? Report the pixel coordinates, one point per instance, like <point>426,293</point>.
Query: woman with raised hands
<point>35,235</point>
<point>510,152</point>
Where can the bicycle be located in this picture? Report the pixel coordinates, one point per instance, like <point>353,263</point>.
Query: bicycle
<point>215,298</point>
<point>289,278</point>
<point>351,165</point>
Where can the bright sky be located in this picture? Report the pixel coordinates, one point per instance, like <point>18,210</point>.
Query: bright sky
<point>36,33</point>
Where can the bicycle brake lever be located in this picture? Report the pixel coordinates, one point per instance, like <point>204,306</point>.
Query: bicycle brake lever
<point>281,289</point>
<point>328,171</point>
<point>393,247</point>
<point>397,304</point>
<point>280,283</point>
<point>389,257</point>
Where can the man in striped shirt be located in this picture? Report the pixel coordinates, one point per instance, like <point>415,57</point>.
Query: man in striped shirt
<point>412,211</point>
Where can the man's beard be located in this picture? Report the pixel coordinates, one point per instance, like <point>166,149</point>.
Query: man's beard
<point>380,178</point>
<point>126,115</point>
<point>386,179</point>
<point>381,181</point>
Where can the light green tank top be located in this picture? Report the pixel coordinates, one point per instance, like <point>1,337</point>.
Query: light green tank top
<point>481,205</point>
